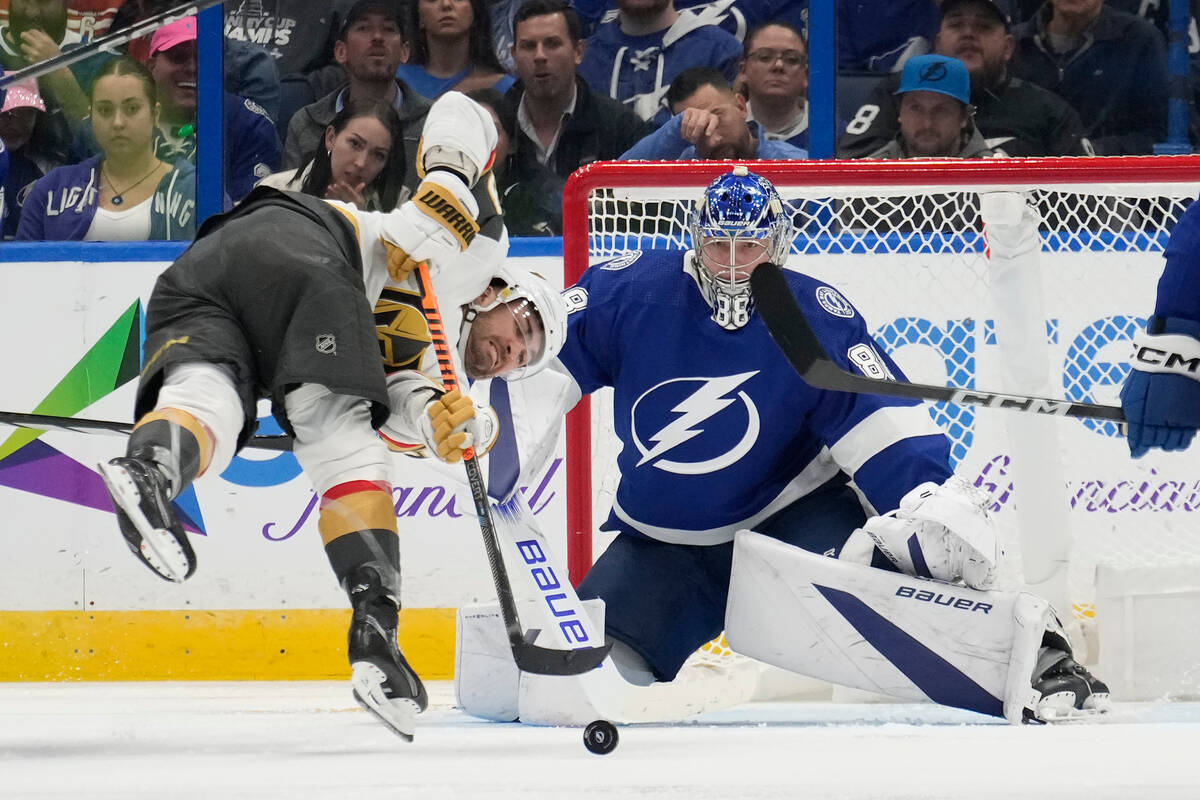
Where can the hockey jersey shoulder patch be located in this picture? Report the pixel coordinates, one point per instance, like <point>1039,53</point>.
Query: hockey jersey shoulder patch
<point>833,302</point>
<point>619,262</point>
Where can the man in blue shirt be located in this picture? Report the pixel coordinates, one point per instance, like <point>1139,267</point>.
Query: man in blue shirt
<point>710,122</point>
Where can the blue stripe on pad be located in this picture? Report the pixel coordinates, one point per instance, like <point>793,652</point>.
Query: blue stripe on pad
<point>940,680</point>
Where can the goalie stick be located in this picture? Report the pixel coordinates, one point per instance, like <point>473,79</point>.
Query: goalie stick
<point>107,43</point>
<point>529,657</point>
<point>791,331</point>
<point>42,422</point>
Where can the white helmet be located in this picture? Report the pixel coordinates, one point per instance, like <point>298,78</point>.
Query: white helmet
<point>513,283</point>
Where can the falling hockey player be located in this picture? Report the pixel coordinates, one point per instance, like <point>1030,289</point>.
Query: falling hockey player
<point>275,299</point>
<point>734,509</point>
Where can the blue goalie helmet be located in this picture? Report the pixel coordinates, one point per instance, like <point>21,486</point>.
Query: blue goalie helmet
<point>740,222</point>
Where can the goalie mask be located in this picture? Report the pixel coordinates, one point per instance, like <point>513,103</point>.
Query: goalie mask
<point>739,223</point>
<point>514,329</point>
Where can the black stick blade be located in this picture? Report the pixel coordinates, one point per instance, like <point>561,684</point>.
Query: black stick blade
<point>548,661</point>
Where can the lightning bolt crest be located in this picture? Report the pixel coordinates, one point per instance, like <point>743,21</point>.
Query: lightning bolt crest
<point>697,407</point>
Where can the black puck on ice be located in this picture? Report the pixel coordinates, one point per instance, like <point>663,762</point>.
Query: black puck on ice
<point>600,737</point>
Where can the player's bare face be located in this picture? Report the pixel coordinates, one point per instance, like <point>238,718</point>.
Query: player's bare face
<point>504,338</point>
<point>359,152</point>
<point>932,124</point>
<point>975,36</point>
<point>732,260</point>
<point>445,19</point>
<point>545,57</point>
<point>174,71</point>
<point>122,117</point>
<point>372,49</point>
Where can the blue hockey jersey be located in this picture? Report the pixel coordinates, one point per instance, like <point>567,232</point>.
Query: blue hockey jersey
<point>1179,286</point>
<point>718,432</point>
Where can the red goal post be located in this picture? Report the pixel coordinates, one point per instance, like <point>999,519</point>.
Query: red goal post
<point>1096,206</point>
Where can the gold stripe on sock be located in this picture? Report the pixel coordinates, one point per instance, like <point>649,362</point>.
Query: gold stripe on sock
<point>185,420</point>
<point>356,511</point>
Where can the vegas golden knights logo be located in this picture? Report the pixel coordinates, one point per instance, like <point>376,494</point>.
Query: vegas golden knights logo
<point>401,328</point>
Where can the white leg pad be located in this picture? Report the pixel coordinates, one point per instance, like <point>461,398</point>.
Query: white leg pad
<point>882,631</point>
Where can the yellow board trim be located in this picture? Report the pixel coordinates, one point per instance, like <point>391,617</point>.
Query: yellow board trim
<point>260,644</point>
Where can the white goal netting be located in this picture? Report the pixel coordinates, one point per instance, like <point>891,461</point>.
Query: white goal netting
<point>906,244</point>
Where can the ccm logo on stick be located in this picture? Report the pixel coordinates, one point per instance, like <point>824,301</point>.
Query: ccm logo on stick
<point>948,600</point>
<point>547,582</point>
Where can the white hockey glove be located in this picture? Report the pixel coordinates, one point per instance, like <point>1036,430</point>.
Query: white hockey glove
<point>942,532</point>
<point>437,224</point>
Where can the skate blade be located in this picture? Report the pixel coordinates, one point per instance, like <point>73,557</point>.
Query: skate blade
<point>1059,708</point>
<point>158,546</point>
<point>397,713</point>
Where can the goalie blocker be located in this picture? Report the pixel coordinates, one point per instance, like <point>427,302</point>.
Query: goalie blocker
<point>997,653</point>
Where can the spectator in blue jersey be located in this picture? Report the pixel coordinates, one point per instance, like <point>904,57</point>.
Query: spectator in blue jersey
<point>451,48</point>
<point>559,123</point>
<point>23,119</point>
<point>1016,117</point>
<point>1161,395</point>
<point>1109,65</point>
<point>774,80</point>
<point>935,113</point>
<point>636,57</point>
<point>735,16</point>
<point>126,193</point>
<point>880,35</point>
<point>710,121</point>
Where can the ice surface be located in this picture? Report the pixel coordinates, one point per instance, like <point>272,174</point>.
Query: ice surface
<point>303,740</point>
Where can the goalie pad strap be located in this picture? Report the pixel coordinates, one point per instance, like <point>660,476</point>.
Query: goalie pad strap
<point>1171,353</point>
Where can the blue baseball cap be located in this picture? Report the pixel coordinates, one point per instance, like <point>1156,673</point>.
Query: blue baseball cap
<point>934,73</point>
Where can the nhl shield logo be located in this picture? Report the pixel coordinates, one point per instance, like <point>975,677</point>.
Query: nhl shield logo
<point>327,344</point>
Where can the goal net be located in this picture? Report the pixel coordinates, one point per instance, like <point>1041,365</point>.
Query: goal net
<point>905,242</point>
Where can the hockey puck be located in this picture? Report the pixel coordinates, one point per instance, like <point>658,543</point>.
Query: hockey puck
<point>600,737</point>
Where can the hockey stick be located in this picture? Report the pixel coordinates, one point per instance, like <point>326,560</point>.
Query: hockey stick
<point>107,43</point>
<point>791,331</point>
<point>529,657</point>
<point>42,422</point>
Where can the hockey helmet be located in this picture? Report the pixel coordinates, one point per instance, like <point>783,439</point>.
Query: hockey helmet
<point>521,290</point>
<point>739,223</point>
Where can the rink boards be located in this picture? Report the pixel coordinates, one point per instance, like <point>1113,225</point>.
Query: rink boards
<point>264,604</point>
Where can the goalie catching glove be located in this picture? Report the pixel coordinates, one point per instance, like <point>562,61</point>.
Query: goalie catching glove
<point>941,532</point>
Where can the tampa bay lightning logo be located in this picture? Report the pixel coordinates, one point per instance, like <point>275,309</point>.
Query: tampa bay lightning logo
<point>620,262</point>
<point>832,301</point>
<point>705,424</point>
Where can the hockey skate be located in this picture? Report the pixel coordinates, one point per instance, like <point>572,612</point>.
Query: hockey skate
<point>141,500</point>
<point>382,680</point>
<point>1067,690</point>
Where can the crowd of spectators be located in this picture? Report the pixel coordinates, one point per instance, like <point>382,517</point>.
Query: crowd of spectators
<point>329,96</point>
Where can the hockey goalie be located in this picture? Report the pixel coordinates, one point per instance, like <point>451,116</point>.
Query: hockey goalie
<point>735,509</point>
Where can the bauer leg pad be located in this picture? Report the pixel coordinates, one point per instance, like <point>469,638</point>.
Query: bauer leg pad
<point>885,632</point>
